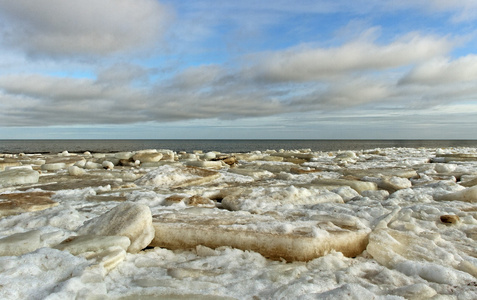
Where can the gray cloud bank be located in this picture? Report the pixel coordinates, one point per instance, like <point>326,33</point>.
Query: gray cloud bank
<point>291,80</point>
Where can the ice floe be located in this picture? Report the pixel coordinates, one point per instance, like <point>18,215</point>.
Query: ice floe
<point>390,223</point>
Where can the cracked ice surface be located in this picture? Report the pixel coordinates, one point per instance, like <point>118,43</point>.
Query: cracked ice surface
<point>392,223</point>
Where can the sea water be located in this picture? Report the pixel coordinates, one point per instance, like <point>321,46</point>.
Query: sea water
<point>79,146</point>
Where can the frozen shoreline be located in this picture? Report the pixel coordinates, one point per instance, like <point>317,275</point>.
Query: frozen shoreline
<point>416,207</point>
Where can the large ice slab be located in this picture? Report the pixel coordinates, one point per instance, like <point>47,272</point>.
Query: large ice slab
<point>381,172</point>
<point>6,164</point>
<point>448,157</point>
<point>105,251</point>
<point>217,164</point>
<point>466,195</point>
<point>18,176</point>
<point>357,185</point>
<point>177,176</point>
<point>147,156</point>
<point>53,166</point>
<point>254,173</point>
<point>194,200</point>
<point>20,243</point>
<point>127,219</point>
<point>419,256</point>
<point>394,183</point>
<point>66,160</point>
<point>263,198</point>
<point>275,239</point>
<point>92,243</point>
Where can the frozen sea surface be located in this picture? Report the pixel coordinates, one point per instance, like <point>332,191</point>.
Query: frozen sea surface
<point>383,223</point>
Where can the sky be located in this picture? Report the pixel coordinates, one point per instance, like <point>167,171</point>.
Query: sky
<point>219,69</point>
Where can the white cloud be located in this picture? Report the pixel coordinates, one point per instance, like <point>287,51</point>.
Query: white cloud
<point>308,64</point>
<point>81,28</point>
<point>462,10</point>
<point>443,71</point>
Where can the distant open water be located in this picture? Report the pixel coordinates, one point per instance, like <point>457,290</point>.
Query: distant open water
<point>56,146</point>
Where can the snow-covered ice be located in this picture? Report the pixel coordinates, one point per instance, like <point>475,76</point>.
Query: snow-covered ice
<point>391,223</point>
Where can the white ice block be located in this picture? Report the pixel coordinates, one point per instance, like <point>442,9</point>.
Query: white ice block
<point>20,243</point>
<point>127,219</point>
<point>18,177</point>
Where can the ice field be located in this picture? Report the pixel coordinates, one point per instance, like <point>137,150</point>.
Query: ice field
<point>386,223</point>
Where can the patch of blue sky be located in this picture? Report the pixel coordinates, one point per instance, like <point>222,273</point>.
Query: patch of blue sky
<point>316,29</point>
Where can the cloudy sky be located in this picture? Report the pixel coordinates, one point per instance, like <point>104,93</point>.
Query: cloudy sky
<point>303,69</point>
